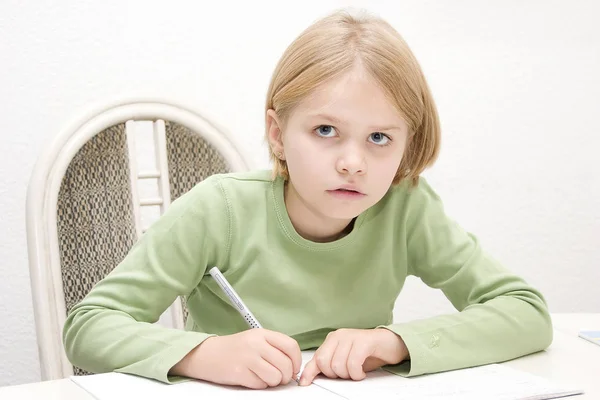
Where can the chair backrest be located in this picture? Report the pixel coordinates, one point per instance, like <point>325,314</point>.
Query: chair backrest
<point>88,201</point>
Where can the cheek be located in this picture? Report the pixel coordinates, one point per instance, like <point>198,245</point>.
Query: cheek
<point>299,150</point>
<point>387,167</point>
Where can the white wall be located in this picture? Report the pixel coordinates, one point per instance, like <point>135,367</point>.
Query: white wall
<point>517,86</point>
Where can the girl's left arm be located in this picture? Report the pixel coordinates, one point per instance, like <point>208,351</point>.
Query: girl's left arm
<point>501,317</point>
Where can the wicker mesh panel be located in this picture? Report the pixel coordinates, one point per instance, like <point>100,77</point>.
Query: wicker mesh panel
<point>95,218</point>
<point>191,159</point>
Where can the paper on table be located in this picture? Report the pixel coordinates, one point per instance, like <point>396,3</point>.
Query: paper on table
<point>490,382</point>
<point>115,386</point>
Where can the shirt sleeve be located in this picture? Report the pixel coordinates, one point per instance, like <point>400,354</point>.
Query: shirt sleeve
<point>112,328</point>
<point>500,317</point>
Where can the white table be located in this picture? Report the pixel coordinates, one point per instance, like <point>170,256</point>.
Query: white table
<point>573,323</point>
<point>569,360</point>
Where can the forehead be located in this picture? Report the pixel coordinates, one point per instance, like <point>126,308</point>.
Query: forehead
<point>353,97</point>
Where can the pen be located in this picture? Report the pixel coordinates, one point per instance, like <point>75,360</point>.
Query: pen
<point>237,302</point>
<point>234,298</point>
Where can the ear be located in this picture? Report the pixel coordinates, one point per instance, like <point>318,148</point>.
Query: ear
<point>274,133</point>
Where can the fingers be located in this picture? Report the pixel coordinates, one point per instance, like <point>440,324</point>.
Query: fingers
<point>320,363</point>
<point>311,370</point>
<point>270,375</point>
<point>345,353</point>
<point>342,355</point>
<point>287,346</point>
<point>324,355</point>
<point>252,381</point>
<point>355,362</point>
<point>339,360</point>
<point>279,360</point>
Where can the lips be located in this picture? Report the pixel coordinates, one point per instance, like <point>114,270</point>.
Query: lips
<point>346,192</point>
<point>349,188</point>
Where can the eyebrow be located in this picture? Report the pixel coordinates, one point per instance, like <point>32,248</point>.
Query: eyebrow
<point>337,121</point>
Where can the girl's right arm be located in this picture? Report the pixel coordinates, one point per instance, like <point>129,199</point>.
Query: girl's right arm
<point>112,328</point>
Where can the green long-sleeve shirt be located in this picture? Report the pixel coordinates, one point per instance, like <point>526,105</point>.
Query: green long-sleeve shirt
<point>304,289</point>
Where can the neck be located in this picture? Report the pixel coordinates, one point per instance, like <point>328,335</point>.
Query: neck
<point>310,224</point>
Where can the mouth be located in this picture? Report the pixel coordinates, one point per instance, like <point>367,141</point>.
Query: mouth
<point>346,193</point>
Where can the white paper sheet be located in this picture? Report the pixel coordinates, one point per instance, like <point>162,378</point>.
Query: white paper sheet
<point>115,386</point>
<point>490,382</point>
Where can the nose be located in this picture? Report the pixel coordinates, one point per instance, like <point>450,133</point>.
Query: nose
<point>351,161</point>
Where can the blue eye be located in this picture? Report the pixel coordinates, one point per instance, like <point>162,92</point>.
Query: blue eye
<point>325,131</point>
<point>379,138</point>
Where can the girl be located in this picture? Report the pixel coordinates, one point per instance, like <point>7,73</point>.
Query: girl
<point>319,250</point>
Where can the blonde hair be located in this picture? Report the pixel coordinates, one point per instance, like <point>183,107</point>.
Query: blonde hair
<point>330,47</point>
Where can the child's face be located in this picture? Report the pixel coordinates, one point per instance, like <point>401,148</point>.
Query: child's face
<point>346,133</point>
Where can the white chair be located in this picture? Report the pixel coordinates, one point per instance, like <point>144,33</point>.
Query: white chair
<point>86,203</point>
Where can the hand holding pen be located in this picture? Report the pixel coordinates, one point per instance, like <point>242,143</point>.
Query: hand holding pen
<point>255,358</point>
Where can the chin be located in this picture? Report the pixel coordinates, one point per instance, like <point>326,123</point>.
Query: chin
<point>344,213</point>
